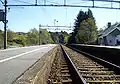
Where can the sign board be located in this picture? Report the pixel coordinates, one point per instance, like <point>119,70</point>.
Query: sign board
<point>2,15</point>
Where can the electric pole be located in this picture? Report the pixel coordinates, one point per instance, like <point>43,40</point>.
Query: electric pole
<point>64,2</point>
<point>39,33</point>
<point>36,2</point>
<point>5,25</point>
<point>44,2</point>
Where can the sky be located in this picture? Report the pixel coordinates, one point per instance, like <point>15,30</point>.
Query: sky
<point>22,19</point>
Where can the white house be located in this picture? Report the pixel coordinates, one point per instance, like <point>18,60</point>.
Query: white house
<point>110,36</point>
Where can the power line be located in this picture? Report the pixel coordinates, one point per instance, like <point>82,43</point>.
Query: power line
<point>104,1</point>
<point>55,26</point>
<point>1,1</point>
<point>35,2</point>
<point>71,5</point>
<point>22,1</point>
<point>75,6</point>
<point>53,2</point>
<point>59,27</point>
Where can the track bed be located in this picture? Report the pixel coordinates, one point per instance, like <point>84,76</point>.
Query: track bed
<point>71,67</point>
<point>91,71</point>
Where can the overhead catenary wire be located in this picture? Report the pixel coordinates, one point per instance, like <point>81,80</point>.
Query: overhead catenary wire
<point>74,6</point>
<point>52,2</point>
<point>80,2</point>
<point>115,1</point>
<point>21,1</point>
<point>68,5</point>
<point>1,1</point>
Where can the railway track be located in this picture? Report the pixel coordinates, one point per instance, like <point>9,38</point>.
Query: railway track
<point>63,70</point>
<point>70,67</point>
<point>59,73</point>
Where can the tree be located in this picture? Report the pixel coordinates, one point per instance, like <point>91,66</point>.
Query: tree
<point>83,35</point>
<point>60,37</point>
<point>33,37</point>
<point>92,29</point>
<point>45,37</point>
<point>90,14</point>
<point>10,35</point>
<point>15,39</point>
<point>20,39</point>
<point>1,39</point>
<point>80,17</point>
<point>86,32</point>
<point>85,28</point>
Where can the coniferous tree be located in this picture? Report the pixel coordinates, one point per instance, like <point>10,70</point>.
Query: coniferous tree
<point>85,29</point>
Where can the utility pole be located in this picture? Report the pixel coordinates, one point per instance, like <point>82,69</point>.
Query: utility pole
<point>93,3</point>
<point>39,33</point>
<point>44,2</point>
<point>54,21</point>
<point>64,2</point>
<point>5,25</point>
<point>36,2</point>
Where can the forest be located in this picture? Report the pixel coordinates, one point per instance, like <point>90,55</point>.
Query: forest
<point>33,37</point>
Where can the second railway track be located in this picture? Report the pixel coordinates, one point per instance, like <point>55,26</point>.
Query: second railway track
<point>71,67</point>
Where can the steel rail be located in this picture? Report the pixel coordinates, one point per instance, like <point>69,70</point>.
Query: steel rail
<point>103,62</point>
<point>76,77</point>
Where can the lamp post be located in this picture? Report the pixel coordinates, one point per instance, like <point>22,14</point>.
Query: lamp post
<point>55,22</point>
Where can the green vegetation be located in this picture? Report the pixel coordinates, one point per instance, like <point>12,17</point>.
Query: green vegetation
<point>1,39</point>
<point>15,39</point>
<point>85,28</point>
<point>33,37</point>
<point>60,37</point>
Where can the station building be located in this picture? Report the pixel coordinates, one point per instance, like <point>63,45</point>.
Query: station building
<point>110,36</point>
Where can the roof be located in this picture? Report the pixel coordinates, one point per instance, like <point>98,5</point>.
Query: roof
<point>107,31</point>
